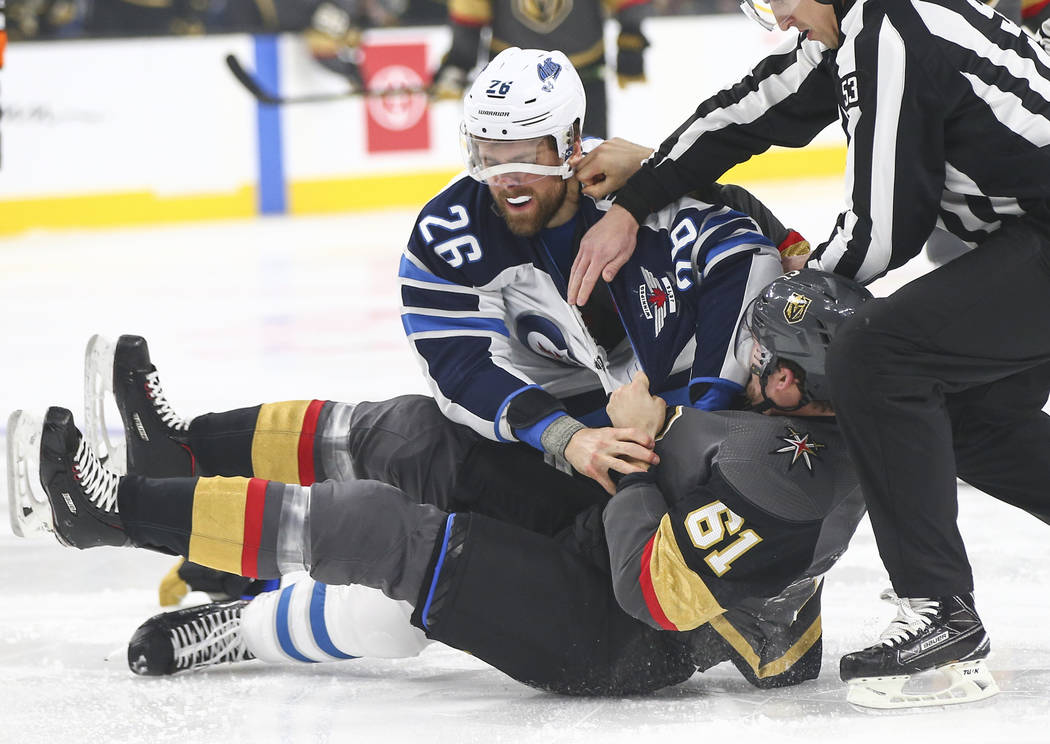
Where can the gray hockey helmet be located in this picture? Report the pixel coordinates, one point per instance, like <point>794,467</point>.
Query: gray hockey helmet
<point>795,318</point>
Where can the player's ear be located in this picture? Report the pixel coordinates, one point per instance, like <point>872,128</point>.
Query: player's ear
<point>783,378</point>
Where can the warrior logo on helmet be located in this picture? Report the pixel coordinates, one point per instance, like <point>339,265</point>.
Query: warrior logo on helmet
<point>795,308</point>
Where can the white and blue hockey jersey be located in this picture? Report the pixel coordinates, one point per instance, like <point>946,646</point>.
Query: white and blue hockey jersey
<point>486,314</point>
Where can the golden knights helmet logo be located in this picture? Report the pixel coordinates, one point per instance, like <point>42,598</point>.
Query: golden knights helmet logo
<point>542,16</point>
<point>795,309</point>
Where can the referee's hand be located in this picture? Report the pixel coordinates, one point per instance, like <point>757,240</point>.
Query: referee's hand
<point>604,249</point>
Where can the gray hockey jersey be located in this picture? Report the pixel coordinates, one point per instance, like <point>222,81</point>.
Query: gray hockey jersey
<point>741,506</point>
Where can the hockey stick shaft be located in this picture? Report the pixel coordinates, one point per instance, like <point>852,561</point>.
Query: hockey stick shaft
<point>253,86</point>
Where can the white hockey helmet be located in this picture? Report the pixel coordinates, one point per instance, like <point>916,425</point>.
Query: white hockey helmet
<point>523,96</point>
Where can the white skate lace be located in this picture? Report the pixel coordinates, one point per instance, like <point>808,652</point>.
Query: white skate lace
<point>164,410</point>
<point>214,638</point>
<point>98,481</point>
<point>914,615</point>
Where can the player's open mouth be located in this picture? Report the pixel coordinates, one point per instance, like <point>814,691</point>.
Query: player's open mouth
<point>518,202</point>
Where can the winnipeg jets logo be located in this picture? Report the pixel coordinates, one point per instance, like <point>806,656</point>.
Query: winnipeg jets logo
<point>548,72</point>
<point>799,447</point>
<point>657,299</point>
<point>543,336</point>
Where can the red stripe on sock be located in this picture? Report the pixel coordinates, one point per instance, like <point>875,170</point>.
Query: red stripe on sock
<point>306,442</point>
<point>649,593</point>
<point>254,503</point>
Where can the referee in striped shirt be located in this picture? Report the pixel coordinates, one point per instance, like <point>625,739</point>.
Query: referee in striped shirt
<point>946,107</point>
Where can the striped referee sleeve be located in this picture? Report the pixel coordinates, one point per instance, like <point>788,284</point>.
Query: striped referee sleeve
<point>779,103</point>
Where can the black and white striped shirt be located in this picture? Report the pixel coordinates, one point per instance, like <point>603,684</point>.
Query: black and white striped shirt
<point>946,109</point>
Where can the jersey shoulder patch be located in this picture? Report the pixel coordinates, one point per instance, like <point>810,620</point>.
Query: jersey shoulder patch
<point>791,467</point>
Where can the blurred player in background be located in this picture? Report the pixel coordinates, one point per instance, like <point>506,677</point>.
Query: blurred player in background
<point>572,26</point>
<point>31,19</point>
<point>332,28</point>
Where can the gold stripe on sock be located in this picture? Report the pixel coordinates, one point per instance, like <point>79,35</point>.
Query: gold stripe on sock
<point>275,446</point>
<point>217,531</point>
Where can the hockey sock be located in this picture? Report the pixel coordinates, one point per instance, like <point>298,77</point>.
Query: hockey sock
<point>300,441</point>
<point>307,621</point>
<point>229,524</point>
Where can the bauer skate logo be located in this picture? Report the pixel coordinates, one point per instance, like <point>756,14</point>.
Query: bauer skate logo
<point>139,427</point>
<point>657,299</point>
<point>799,447</point>
<point>795,309</point>
<point>548,72</point>
<point>69,503</point>
<point>931,642</point>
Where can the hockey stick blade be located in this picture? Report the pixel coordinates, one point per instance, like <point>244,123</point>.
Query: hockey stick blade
<point>262,96</point>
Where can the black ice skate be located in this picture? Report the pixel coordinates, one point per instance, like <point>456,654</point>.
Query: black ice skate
<point>189,639</point>
<point>82,492</point>
<point>928,634</point>
<point>154,442</point>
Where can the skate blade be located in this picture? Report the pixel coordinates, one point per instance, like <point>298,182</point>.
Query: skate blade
<point>98,391</point>
<point>951,684</point>
<point>27,504</point>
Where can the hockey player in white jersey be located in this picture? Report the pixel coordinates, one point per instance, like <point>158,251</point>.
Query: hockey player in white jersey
<point>485,272</point>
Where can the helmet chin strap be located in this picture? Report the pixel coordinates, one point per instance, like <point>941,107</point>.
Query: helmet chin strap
<point>767,403</point>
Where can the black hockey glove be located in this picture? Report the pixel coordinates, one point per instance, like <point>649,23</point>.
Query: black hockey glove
<point>630,62</point>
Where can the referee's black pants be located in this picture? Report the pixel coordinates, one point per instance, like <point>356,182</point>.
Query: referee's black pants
<point>948,376</point>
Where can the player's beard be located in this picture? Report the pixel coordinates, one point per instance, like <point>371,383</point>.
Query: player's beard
<point>545,204</point>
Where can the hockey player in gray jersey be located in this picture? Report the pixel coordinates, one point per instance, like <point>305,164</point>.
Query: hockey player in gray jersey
<point>716,555</point>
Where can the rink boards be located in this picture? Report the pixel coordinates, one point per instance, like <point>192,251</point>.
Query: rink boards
<point>137,131</point>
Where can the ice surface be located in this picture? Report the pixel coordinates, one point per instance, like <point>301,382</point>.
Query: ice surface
<point>245,312</point>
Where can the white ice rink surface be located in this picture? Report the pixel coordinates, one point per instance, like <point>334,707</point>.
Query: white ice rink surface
<point>247,312</point>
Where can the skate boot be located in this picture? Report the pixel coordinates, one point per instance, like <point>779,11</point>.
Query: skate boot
<point>154,442</point>
<point>189,639</point>
<point>81,490</point>
<point>943,634</point>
